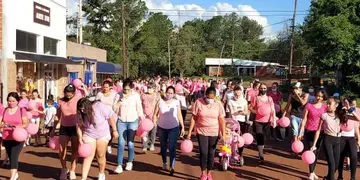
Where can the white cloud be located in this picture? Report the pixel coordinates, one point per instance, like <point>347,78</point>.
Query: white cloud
<point>184,12</point>
<point>181,13</point>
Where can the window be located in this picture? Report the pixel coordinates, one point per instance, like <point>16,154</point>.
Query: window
<point>25,41</point>
<point>88,66</point>
<point>50,46</point>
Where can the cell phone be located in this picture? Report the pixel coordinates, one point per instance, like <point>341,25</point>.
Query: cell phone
<point>351,110</point>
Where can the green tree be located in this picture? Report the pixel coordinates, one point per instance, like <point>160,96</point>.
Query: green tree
<point>332,30</point>
<point>278,50</point>
<point>150,44</point>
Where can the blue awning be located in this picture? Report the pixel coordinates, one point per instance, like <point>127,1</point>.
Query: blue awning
<point>80,59</point>
<point>108,68</point>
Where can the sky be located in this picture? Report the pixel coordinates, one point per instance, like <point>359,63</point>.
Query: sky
<point>271,14</point>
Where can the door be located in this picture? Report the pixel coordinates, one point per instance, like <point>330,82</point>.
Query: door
<point>88,78</point>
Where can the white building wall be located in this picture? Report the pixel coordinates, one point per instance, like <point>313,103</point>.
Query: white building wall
<point>19,16</point>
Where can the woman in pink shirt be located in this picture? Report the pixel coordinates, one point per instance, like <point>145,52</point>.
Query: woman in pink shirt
<point>167,116</point>
<point>107,96</point>
<point>310,123</point>
<point>66,113</point>
<point>24,100</point>
<point>37,113</point>
<point>149,100</point>
<point>277,96</point>
<point>94,119</point>
<point>208,120</point>
<point>263,106</point>
<point>12,116</point>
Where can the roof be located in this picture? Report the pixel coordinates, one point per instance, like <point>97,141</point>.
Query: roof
<point>237,62</point>
<point>108,68</point>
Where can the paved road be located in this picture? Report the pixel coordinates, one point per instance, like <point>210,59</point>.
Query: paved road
<point>42,163</point>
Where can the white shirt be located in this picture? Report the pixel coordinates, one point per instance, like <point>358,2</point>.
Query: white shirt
<point>348,134</point>
<point>49,113</point>
<point>238,105</point>
<point>228,96</point>
<point>130,108</point>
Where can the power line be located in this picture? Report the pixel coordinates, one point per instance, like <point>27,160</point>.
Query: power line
<point>202,10</point>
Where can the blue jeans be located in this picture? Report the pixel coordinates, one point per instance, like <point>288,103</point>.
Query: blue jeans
<point>168,136</point>
<point>127,132</point>
<point>295,124</point>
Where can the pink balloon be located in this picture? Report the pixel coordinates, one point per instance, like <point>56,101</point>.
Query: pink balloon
<point>241,142</point>
<point>349,126</point>
<point>20,134</point>
<point>141,133</point>
<point>32,105</point>
<point>186,146</point>
<point>297,146</point>
<point>54,143</point>
<point>77,83</point>
<point>284,122</point>
<point>308,157</point>
<point>32,129</point>
<point>277,108</point>
<point>85,150</point>
<point>29,115</point>
<point>264,110</point>
<point>248,138</point>
<point>146,125</point>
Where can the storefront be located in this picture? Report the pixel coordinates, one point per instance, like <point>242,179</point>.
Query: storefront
<point>35,52</point>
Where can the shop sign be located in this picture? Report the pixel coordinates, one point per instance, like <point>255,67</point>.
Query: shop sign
<point>41,14</point>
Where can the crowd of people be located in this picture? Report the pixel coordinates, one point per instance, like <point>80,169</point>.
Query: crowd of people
<point>113,111</point>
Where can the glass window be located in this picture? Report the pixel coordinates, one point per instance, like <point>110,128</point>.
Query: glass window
<point>88,66</point>
<point>50,46</point>
<point>25,41</point>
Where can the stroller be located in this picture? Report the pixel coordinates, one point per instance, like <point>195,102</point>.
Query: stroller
<point>228,151</point>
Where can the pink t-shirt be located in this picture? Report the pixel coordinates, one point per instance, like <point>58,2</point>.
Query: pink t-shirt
<point>260,105</point>
<point>168,114</point>
<point>148,103</point>
<point>331,125</point>
<point>207,117</point>
<point>39,107</point>
<point>12,119</point>
<point>107,100</point>
<point>314,115</point>
<point>24,103</point>
<point>68,111</point>
<point>252,93</point>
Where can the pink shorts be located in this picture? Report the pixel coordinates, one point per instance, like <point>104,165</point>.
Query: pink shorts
<point>88,139</point>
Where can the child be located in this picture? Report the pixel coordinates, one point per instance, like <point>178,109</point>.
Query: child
<point>50,115</point>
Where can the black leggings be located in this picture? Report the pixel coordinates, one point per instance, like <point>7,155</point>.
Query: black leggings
<point>243,130</point>
<point>348,146</point>
<point>13,149</point>
<point>309,141</point>
<point>111,136</point>
<point>260,129</point>
<point>332,153</point>
<point>207,146</point>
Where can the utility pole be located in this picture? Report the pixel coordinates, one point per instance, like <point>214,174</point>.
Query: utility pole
<point>80,22</point>
<point>125,64</point>
<point>169,58</point>
<point>232,53</point>
<point>221,53</point>
<point>292,40</point>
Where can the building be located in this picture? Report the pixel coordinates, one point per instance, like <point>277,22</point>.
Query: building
<point>93,66</point>
<point>222,66</point>
<point>34,46</point>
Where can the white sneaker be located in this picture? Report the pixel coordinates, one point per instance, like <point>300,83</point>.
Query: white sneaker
<point>119,169</point>
<point>109,150</point>
<point>16,176</point>
<point>101,177</point>
<point>129,166</point>
<point>165,166</point>
<point>152,147</point>
<point>144,150</point>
